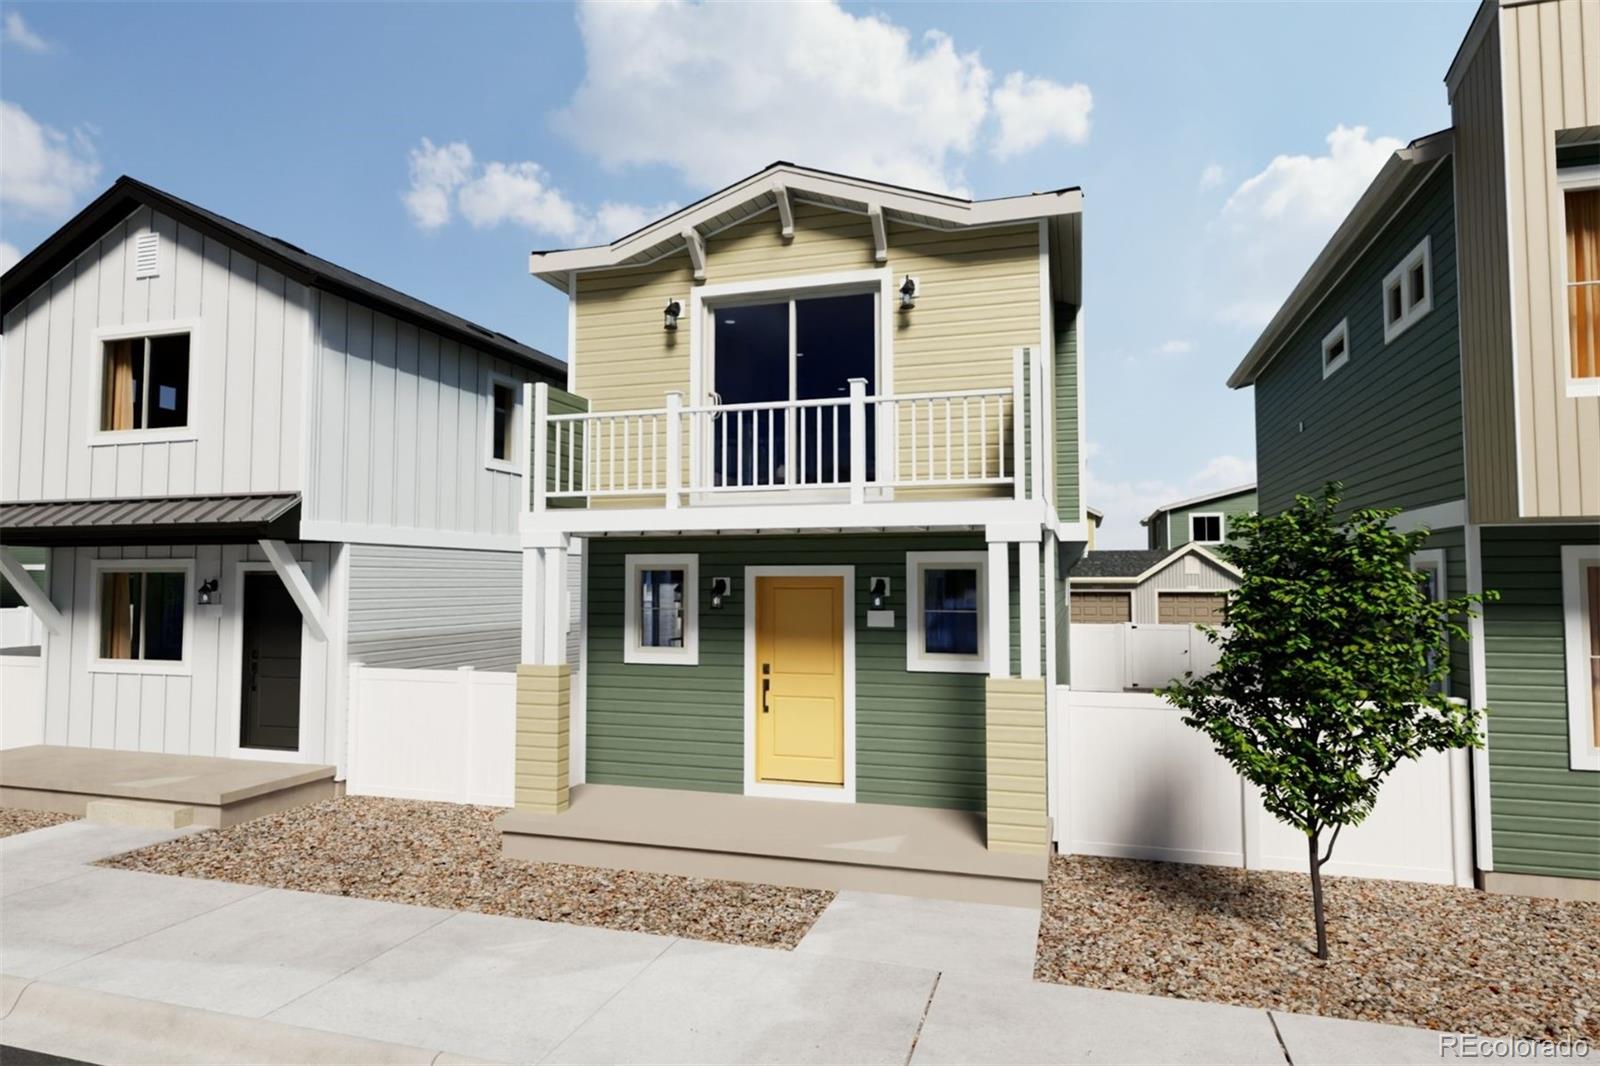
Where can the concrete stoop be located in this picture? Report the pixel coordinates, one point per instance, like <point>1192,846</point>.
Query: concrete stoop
<point>138,814</point>
<point>80,1023</point>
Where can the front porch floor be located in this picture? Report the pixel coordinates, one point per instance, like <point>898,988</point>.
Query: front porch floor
<point>912,851</point>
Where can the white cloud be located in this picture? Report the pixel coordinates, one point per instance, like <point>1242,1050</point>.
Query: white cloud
<point>42,171</point>
<point>1275,223</point>
<point>1175,348</point>
<point>8,255</point>
<point>1212,176</point>
<point>1032,110</point>
<point>446,179</point>
<point>717,91</point>
<point>18,33</point>
<point>1126,502</point>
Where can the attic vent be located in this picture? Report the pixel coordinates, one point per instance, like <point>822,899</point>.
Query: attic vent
<point>145,251</point>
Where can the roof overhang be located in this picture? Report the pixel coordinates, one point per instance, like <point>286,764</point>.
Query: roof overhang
<point>1401,176</point>
<point>778,187</point>
<point>240,519</point>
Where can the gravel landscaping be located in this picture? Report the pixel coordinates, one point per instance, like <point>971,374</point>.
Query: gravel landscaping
<point>446,855</point>
<point>14,821</point>
<point>1406,954</point>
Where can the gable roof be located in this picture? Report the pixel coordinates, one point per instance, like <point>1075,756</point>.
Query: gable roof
<point>1401,176</point>
<point>1133,566</point>
<point>778,182</point>
<point>1223,494</point>
<point>126,194</point>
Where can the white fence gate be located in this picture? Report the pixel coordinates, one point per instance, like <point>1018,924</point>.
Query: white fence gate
<point>21,700</point>
<point>1116,658</point>
<point>20,628</point>
<point>433,735</point>
<point>1135,782</point>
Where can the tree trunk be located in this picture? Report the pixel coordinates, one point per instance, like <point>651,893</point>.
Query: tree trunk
<point>1316,898</point>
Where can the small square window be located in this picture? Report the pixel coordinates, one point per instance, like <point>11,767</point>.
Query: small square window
<point>1205,528</point>
<point>1408,291</point>
<point>1336,348</point>
<point>142,615</point>
<point>145,383</point>
<point>946,612</point>
<point>660,614</point>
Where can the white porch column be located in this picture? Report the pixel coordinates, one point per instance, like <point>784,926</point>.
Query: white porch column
<point>999,609</point>
<point>532,605</point>
<point>1028,610</point>
<point>554,629</point>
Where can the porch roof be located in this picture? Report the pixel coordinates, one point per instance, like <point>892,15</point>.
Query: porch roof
<point>242,518</point>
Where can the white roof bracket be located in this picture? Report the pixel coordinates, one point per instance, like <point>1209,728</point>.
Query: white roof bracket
<point>780,193</point>
<point>294,579</point>
<point>697,252</point>
<point>880,233</point>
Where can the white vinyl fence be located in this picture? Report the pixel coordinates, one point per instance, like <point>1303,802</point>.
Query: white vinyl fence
<point>1135,782</point>
<point>20,628</point>
<point>21,700</point>
<point>433,735</point>
<point>1117,658</point>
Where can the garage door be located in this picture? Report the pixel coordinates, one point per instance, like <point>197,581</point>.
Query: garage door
<point>1107,608</point>
<point>1184,608</point>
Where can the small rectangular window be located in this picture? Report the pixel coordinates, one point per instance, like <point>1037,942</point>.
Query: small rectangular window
<point>946,612</point>
<point>502,422</point>
<point>1580,578</point>
<point>1336,348</point>
<point>145,383</point>
<point>1408,291</point>
<point>1205,528</point>
<point>1582,208</point>
<point>661,618</point>
<point>660,614</point>
<point>141,615</point>
<point>950,611</point>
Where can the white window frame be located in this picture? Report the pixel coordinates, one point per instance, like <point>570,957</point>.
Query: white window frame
<point>632,650</point>
<point>169,667</point>
<point>918,660</point>
<point>1339,332</point>
<point>1569,179</point>
<point>1582,745</point>
<point>1222,526</point>
<point>100,338</point>
<point>512,464</point>
<point>1434,559</point>
<point>1410,313</point>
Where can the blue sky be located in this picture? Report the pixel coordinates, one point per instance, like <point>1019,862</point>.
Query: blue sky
<point>432,146</point>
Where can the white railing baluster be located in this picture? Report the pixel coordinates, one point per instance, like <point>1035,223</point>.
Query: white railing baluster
<point>949,442</point>
<point>911,435</point>
<point>966,441</point>
<point>772,446</point>
<point>835,445</point>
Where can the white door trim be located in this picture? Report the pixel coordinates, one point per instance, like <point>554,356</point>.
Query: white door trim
<point>825,793</point>
<point>231,709</point>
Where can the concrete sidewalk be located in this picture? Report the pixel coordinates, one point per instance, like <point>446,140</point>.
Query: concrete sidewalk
<point>878,979</point>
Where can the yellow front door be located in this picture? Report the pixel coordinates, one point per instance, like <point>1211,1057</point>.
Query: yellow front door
<point>800,679</point>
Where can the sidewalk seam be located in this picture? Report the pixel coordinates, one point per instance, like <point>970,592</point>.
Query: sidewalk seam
<point>1281,1045</point>
<point>355,966</point>
<point>923,1020</point>
<point>556,1045</point>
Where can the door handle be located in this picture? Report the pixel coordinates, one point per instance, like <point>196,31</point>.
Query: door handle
<point>766,687</point>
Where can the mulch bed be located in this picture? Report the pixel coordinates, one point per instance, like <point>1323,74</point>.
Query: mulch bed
<point>447,855</point>
<point>1402,953</point>
<point>14,821</point>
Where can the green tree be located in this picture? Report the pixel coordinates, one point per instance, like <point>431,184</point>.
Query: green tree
<point>1333,668</point>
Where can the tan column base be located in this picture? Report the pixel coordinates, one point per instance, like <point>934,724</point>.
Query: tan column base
<point>1015,738</point>
<point>544,713</point>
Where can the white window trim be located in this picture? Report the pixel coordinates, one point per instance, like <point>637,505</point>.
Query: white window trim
<point>917,659</point>
<point>1434,559</point>
<point>97,369</point>
<point>632,650</point>
<point>512,464</point>
<point>1567,179</point>
<point>1410,314</point>
<point>166,667</point>
<point>1582,745</point>
<point>1222,526</point>
<point>1339,332</point>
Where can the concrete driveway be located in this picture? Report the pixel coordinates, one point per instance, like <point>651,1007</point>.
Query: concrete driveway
<point>112,965</point>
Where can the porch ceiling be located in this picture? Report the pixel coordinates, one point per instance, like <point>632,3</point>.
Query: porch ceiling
<point>152,520</point>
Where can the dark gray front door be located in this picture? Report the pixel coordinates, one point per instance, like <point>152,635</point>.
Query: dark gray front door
<point>270,702</point>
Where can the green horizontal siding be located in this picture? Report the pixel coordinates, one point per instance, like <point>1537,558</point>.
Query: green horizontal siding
<point>1068,502</point>
<point>1178,521</point>
<point>1388,423</point>
<point>919,736</point>
<point>1546,816</point>
<point>563,402</point>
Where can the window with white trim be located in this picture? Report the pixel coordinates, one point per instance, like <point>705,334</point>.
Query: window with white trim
<point>1431,565</point>
<point>1580,209</point>
<point>946,612</point>
<point>1205,528</point>
<point>1408,291</point>
<point>1580,580</point>
<point>660,616</point>
<point>1336,348</point>
<point>144,383</point>
<point>142,614</point>
<point>503,403</point>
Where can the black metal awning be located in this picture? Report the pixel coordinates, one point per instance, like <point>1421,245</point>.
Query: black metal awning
<point>236,519</point>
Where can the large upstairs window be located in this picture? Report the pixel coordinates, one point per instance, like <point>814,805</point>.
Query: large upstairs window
<point>144,383</point>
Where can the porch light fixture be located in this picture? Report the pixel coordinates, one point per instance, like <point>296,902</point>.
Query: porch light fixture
<point>670,315</point>
<point>908,293</point>
<point>210,593</point>
<point>721,589</point>
<point>880,592</point>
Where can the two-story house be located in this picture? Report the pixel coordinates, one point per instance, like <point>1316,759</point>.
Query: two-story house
<point>1442,355</point>
<point>820,446</point>
<point>248,467</point>
<point>1198,520</point>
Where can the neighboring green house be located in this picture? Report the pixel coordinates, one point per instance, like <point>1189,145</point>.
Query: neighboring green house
<point>1199,520</point>
<point>819,454</point>
<point>1440,356</point>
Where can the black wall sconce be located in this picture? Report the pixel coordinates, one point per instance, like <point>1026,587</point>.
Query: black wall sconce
<point>721,590</point>
<point>670,316</point>
<point>210,592</point>
<point>908,293</point>
<point>880,592</point>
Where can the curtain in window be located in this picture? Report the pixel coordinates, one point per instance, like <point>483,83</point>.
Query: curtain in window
<point>117,406</point>
<point>1583,281</point>
<point>116,615</point>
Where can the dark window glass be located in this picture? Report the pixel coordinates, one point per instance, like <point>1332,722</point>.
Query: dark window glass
<point>1395,309</point>
<point>1205,527</point>
<point>141,615</point>
<point>950,612</point>
<point>1419,285</point>
<point>661,609</point>
<point>166,399</point>
<point>505,403</point>
<point>834,342</point>
<point>163,616</point>
<point>752,366</point>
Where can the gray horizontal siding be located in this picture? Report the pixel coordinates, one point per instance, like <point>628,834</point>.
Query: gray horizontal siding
<point>435,608</point>
<point>1388,423</point>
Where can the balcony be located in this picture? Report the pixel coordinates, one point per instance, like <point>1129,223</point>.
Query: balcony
<point>901,457</point>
